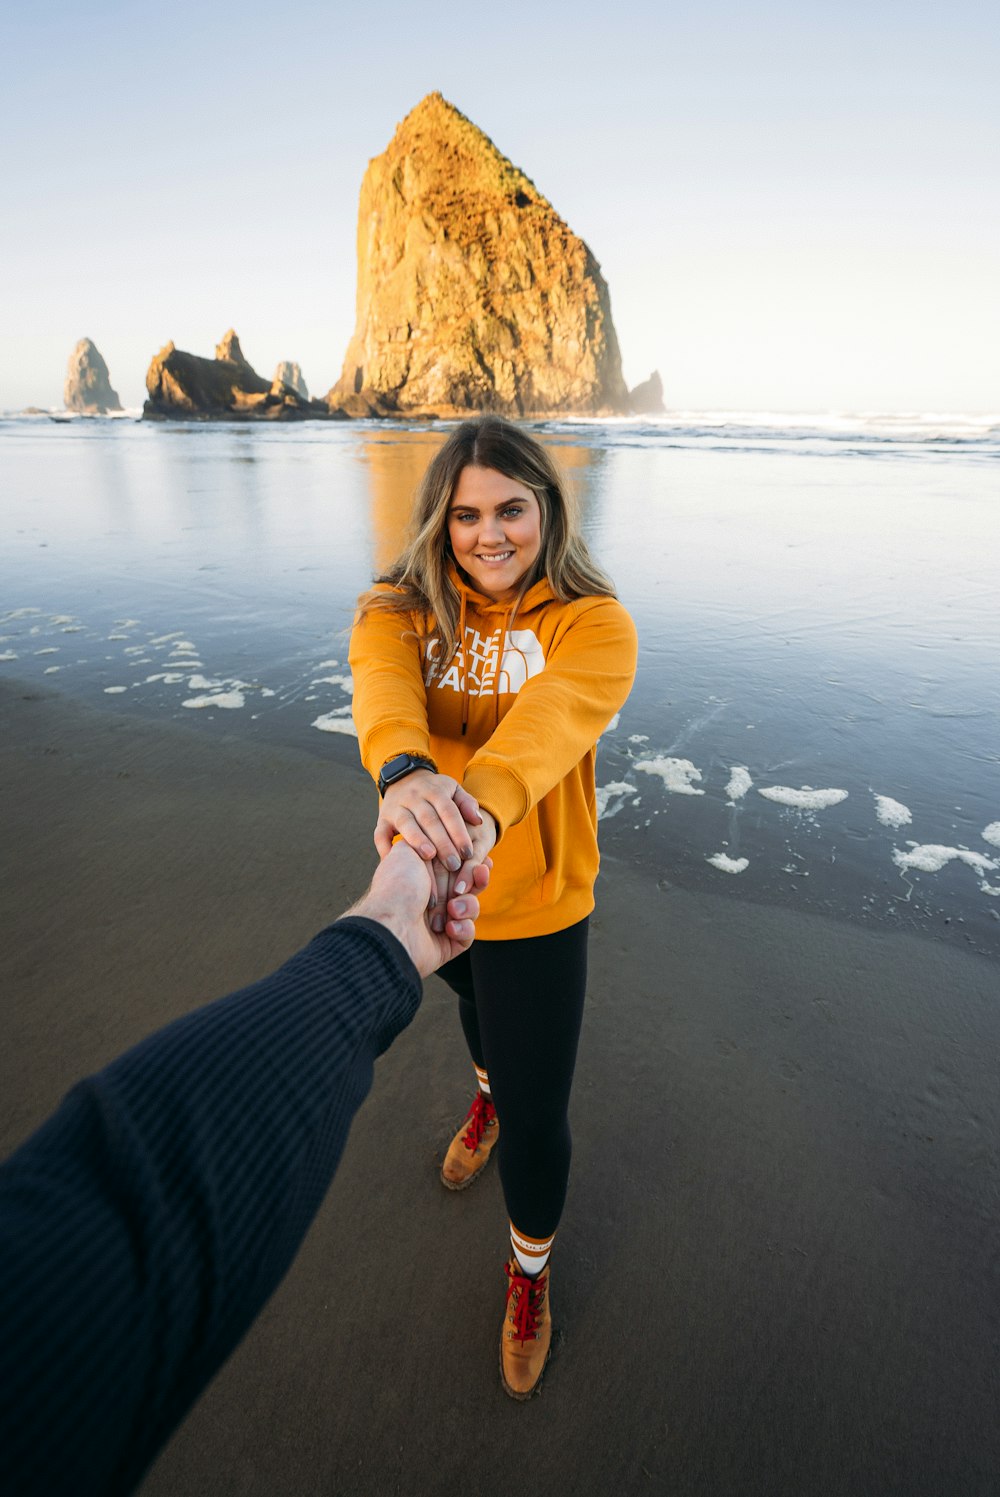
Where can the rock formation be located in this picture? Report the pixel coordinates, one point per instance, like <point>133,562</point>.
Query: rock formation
<point>647,399</point>
<point>290,375</point>
<point>224,388</point>
<point>473,294</point>
<point>88,383</point>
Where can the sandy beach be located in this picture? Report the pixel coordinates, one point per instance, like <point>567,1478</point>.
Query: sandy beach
<point>777,1268</point>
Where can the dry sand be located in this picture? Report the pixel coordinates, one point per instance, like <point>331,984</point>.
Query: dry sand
<point>777,1271</point>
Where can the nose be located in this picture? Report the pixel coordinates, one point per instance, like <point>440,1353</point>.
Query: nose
<point>491,532</point>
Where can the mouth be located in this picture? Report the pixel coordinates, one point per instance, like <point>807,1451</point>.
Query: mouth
<point>495,558</point>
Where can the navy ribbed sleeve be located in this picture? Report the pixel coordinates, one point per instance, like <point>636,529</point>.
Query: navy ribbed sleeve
<point>145,1224</point>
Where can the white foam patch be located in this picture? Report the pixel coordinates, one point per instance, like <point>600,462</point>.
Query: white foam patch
<point>119,623</point>
<point>991,833</point>
<point>228,699</point>
<point>611,798</point>
<point>931,857</point>
<point>328,665</point>
<point>892,812</point>
<point>21,613</point>
<point>114,691</point>
<point>62,618</point>
<point>346,683</point>
<point>8,655</point>
<point>73,629</point>
<point>50,670</point>
<point>332,723</point>
<point>727,864</point>
<point>739,782</point>
<point>266,691</point>
<point>171,678</point>
<point>612,725</point>
<point>202,683</point>
<point>133,649</point>
<point>638,738</point>
<point>805,799</point>
<point>164,639</point>
<point>117,636</point>
<point>184,647</point>
<point>677,774</point>
<point>52,650</point>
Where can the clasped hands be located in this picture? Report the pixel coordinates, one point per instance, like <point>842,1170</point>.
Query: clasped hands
<point>444,824</point>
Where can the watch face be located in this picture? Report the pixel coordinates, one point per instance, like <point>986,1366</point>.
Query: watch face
<point>395,767</point>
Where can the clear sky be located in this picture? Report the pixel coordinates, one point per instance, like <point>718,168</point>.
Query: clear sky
<point>795,206</point>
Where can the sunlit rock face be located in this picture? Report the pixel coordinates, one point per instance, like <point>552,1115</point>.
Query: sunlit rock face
<point>88,384</point>
<point>473,294</point>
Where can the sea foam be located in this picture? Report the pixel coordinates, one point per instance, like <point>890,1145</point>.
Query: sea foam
<point>892,812</point>
<point>676,774</point>
<point>805,799</point>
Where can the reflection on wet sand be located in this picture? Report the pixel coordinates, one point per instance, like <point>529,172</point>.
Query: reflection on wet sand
<point>395,465</point>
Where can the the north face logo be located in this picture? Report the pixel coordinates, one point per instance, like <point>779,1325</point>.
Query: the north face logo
<point>489,671</point>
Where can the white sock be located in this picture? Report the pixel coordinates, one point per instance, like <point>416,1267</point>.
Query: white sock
<point>484,1081</point>
<point>532,1253</point>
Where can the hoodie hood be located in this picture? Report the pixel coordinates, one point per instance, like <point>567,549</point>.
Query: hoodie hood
<point>539,592</point>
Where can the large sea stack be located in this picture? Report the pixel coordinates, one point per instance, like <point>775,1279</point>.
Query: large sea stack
<point>473,294</point>
<point>228,388</point>
<point>88,383</point>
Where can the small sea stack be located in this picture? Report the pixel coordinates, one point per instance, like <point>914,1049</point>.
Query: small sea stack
<point>647,398</point>
<point>87,389</point>
<point>290,375</point>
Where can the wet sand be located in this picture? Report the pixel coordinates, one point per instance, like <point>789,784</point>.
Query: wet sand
<point>777,1269</point>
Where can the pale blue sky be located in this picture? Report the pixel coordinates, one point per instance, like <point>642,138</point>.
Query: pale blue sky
<point>795,207</point>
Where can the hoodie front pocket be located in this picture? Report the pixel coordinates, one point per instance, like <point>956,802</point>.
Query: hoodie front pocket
<point>518,869</point>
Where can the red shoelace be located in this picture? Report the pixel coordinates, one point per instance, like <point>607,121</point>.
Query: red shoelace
<point>528,1304</point>
<point>480,1115</point>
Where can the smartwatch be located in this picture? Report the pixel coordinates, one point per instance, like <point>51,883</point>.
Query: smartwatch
<point>400,767</point>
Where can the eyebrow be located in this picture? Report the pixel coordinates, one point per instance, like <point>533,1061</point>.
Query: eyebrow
<point>514,499</point>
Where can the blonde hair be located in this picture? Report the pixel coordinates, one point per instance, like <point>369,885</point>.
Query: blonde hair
<point>419,576</point>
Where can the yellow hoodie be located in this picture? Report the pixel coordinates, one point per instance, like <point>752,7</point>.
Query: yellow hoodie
<point>516,726</point>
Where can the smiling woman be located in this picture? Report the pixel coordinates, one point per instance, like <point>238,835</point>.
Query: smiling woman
<point>481,736</point>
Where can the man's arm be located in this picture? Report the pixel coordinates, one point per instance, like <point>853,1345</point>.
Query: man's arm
<point>144,1226</point>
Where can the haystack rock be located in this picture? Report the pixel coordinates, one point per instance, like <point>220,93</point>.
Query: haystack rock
<point>473,294</point>
<point>88,383</point>
<point>224,388</point>
<point>647,399</point>
<point>290,375</point>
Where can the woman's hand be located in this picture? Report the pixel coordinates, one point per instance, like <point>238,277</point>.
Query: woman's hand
<point>424,811</point>
<point>483,838</point>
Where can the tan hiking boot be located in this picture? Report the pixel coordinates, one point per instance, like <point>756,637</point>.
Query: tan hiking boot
<point>472,1145</point>
<point>526,1333</point>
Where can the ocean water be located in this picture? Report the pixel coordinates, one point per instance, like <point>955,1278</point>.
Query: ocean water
<point>816,717</point>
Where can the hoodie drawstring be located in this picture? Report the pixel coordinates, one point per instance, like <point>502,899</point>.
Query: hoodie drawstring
<point>504,627</point>
<point>465,666</point>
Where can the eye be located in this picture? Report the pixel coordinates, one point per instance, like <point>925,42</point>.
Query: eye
<point>513,510</point>
<point>463,516</point>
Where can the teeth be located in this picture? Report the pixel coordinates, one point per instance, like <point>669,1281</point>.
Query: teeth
<point>501,556</point>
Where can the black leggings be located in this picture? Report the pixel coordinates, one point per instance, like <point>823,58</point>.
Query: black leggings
<point>521,1006</point>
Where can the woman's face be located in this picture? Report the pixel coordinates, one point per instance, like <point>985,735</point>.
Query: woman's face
<point>495,528</point>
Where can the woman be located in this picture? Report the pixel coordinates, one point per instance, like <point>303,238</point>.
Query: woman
<point>487,662</point>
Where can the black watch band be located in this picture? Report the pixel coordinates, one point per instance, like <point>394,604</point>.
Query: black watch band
<point>400,767</point>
